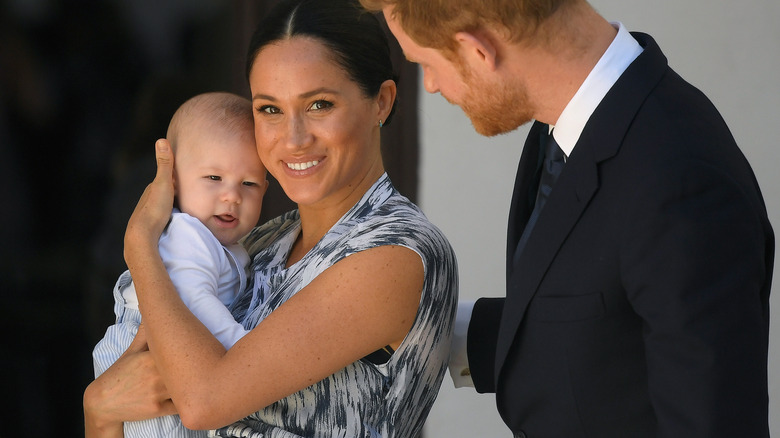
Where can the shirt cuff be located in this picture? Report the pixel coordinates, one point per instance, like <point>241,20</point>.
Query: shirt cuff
<point>459,359</point>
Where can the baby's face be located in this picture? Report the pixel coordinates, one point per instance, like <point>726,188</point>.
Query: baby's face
<point>221,181</point>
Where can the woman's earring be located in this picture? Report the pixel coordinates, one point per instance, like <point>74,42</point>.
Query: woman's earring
<point>380,123</point>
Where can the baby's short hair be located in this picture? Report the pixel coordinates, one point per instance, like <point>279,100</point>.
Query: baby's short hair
<point>220,110</point>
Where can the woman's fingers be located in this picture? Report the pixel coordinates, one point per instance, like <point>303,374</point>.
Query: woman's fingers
<point>131,389</point>
<point>153,210</point>
<point>157,200</point>
<point>164,156</point>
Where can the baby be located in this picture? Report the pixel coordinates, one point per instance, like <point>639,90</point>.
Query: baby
<point>220,183</point>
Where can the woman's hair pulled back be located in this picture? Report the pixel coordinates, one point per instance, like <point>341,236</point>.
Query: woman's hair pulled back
<point>354,36</point>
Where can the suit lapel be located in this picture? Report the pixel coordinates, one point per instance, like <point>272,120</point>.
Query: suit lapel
<point>573,191</point>
<point>520,208</point>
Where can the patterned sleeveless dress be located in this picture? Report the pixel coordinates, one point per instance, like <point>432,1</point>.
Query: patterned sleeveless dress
<point>363,399</point>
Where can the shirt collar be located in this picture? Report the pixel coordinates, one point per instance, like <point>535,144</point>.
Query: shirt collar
<point>620,54</point>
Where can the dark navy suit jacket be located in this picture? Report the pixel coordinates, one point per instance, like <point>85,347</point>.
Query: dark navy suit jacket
<point>640,304</point>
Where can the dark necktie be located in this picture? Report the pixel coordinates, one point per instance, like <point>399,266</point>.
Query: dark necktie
<point>554,159</point>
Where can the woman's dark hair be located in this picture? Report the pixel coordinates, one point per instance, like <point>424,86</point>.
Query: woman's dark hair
<point>355,37</point>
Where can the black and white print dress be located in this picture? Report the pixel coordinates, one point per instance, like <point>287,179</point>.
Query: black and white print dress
<point>391,399</point>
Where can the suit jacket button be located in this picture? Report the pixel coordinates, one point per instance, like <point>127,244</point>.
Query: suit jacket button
<point>520,434</point>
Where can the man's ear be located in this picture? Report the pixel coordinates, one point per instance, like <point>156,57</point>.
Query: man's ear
<point>478,48</point>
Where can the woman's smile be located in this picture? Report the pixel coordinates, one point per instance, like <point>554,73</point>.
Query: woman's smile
<point>303,166</point>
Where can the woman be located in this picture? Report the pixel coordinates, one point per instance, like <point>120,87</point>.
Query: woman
<point>353,294</point>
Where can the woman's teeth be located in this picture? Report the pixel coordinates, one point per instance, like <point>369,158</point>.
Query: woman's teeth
<point>302,166</point>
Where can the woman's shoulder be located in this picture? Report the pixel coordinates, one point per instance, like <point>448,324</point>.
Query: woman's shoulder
<point>398,221</point>
<point>399,211</point>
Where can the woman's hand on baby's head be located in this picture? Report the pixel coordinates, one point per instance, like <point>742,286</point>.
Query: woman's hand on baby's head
<point>153,210</point>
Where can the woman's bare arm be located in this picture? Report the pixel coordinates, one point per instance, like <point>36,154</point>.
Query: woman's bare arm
<point>343,315</point>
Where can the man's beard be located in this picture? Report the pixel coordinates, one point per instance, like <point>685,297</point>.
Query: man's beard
<point>495,108</point>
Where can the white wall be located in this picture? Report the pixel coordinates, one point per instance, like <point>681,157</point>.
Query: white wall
<point>728,49</point>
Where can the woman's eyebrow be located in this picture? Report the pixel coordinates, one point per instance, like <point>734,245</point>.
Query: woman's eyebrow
<point>321,90</point>
<point>263,96</point>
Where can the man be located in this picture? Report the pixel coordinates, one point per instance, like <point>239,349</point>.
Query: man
<point>639,253</point>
